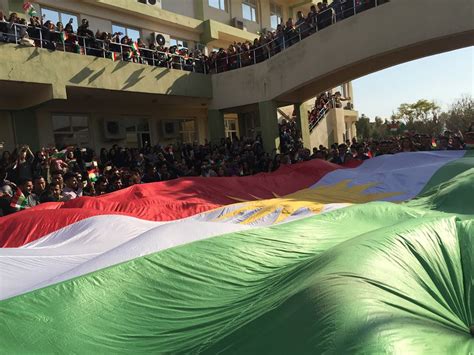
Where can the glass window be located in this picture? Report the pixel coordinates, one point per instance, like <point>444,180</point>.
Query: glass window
<point>276,15</point>
<point>180,43</point>
<point>132,33</point>
<point>249,10</point>
<point>70,130</point>
<point>187,130</point>
<point>231,128</point>
<point>217,4</point>
<point>58,16</point>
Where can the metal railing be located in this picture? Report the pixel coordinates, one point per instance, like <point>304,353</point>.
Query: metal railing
<point>321,114</point>
<point>44,38</point>
<point>283,40</point>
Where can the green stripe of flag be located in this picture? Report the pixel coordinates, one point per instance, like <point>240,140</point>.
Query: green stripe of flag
<point>313,285</point>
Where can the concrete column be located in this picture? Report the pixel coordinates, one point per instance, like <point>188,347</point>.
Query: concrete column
<point>6,132</point>
<point>241,120</point>
<point>350,92</point>
<point>353,130</point>
<point>215,124</point>
<point>302,123</point>
<point>269,125</point>
<point>26,129</point>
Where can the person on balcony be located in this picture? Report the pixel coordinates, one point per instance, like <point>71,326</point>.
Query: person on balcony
<point>324,16</point>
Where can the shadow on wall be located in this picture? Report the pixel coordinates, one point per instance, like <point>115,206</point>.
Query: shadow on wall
<point>126,76</point>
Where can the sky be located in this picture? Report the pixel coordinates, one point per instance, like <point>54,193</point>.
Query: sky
<point>442,78</point>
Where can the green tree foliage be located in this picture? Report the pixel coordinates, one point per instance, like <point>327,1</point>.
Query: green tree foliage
<point>421,116</point>
<point>363,127</point>
<point>460,115</point>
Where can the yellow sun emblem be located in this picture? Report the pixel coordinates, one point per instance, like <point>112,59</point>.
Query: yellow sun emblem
<point>312,200</point>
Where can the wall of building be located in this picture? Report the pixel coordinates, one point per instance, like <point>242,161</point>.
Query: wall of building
<point>102,18</point>
<point>35,65</point>
<point>6,131</point>
<point>44,136</point>
<point>322,61</point>
<point>182,7</point>
<point>4,6</point>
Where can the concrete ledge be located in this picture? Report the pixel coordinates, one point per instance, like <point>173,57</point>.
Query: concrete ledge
<point>391,34</point>
<point>61,70</point>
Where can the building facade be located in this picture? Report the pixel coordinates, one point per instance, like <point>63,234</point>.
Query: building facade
<point>59,98</point>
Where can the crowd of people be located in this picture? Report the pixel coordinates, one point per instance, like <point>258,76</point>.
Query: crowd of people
<point>324,102</point>
<point>50,175</point>
<point>116,46</point>
<point>44,33</point>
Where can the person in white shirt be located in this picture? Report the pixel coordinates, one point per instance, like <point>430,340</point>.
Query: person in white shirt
<point>71,189</point>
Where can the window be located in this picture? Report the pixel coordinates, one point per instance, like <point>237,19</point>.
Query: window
<point>231,128</point>
<point>180,43</point>
<point>137,133</point>
<point>132,33</point>
<point>187,131</point>
<point>249,10</point>
<point>276,15</point>
<point>70,130</point>
<point>217,4</point>
<point>57,16</point>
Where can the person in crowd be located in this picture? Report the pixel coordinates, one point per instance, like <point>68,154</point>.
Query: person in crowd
<point>53,193</point>
<point>39,186</point>
<point>80,175</point>
<point>71,189</point>
<point>6,194</point>
<point>23,168</point>
<point>57,178</point>
<point>101,186</point>
<point>26,187</point>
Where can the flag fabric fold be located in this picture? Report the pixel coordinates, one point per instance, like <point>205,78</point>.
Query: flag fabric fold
<point>313,258</point>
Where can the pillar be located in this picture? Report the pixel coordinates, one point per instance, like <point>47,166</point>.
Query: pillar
<point>302,122</point>
<point>7,138</point>
<point>215,124</point>
<point>25,128</point>
<point>269,125</point>
<point>353,130</point>
<point>350,93</point>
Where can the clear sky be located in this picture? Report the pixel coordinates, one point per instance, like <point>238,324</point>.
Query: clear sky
<point>442,78</point>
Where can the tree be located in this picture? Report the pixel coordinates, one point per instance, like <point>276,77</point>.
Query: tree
<point>363,127</point>
<point>460,115</point>
<point>379,128</point>
<point>422,110</point>
<point>421,116</point>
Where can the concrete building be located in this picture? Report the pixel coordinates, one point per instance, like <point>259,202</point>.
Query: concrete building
<point>59,98</point>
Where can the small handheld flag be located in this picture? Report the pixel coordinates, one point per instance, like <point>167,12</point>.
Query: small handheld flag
<point>29,9</point>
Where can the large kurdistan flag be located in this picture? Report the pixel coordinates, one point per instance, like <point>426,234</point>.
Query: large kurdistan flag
<point>314,258</point>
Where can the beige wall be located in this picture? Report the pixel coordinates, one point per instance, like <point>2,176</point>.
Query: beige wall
<point>4,6</point>
<point>101,18</point>
<point>96,118</point>
<point>33,65</point>
<point>323,61</point>
<point>182,7</point>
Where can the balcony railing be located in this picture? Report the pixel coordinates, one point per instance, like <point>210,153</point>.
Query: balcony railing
<point>44,38</point>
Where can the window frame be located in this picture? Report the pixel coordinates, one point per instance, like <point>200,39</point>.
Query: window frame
<point>126,28</point>
<point>229,132</point>
<point>176,41</point>
<point>185,134</point>
<point>274,8</point>
<point>253,6</point>
<point>71,131</point>
<point>222,3</point>
<point>60,13</point>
